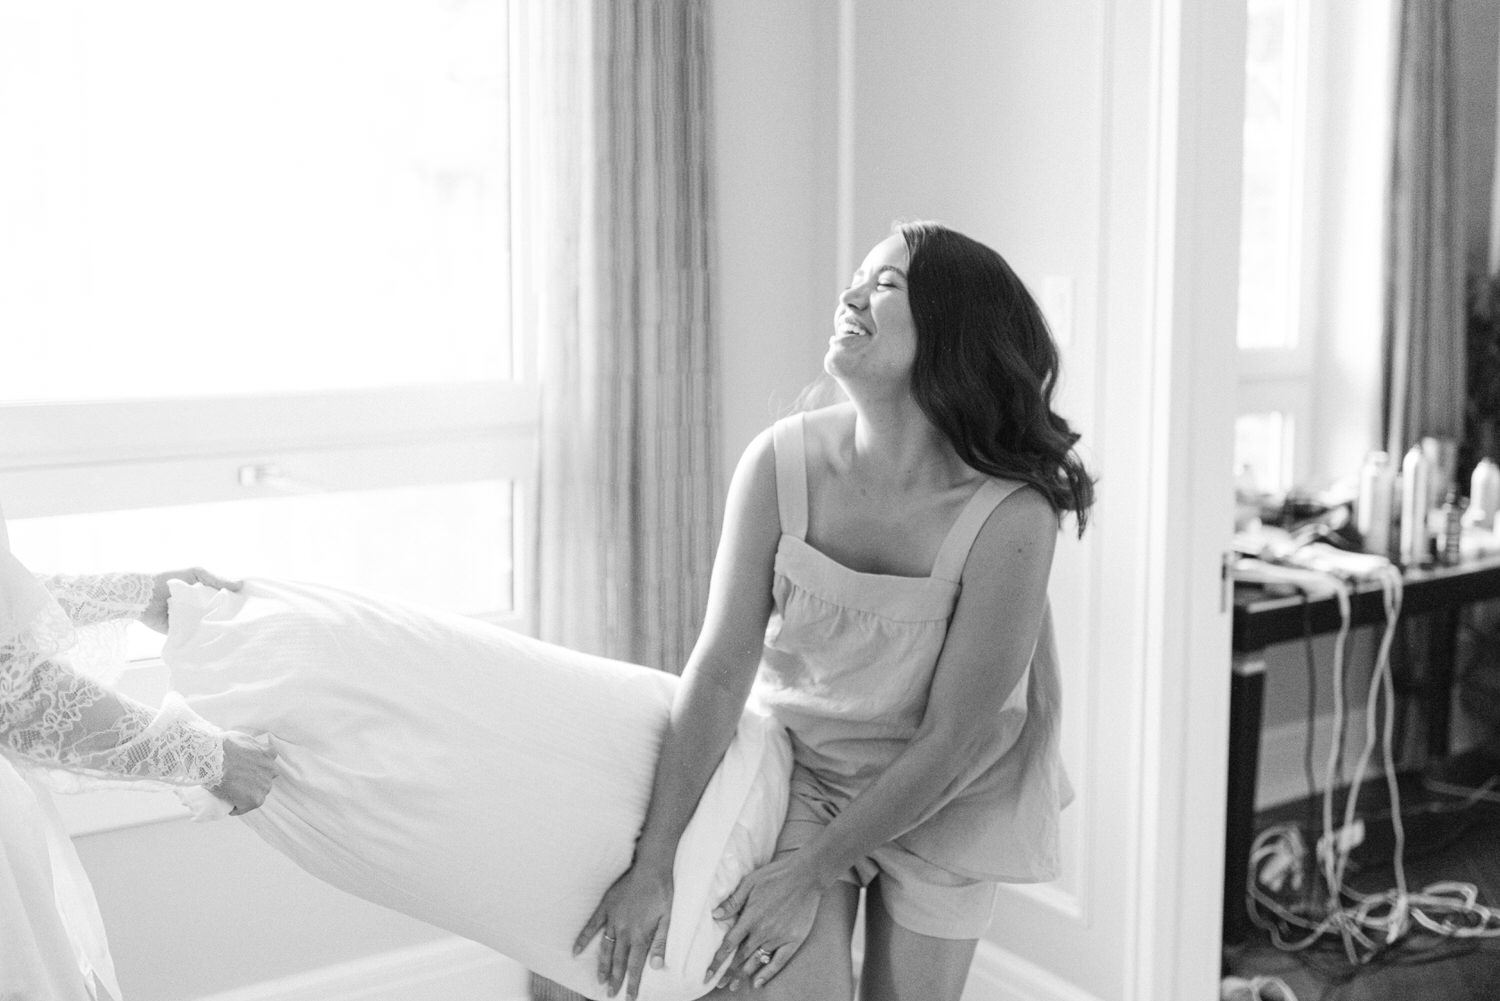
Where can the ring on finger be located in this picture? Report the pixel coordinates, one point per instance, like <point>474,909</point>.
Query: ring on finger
<point>607,937</point>
<point>762,956</point>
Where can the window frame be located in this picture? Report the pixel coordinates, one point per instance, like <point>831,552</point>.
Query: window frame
<point>1281,378</point>
<point>86,456</point>
<point>81,457</point>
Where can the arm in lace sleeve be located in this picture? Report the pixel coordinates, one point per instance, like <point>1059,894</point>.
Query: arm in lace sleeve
<point>92,598</point>
<point>52,716</point>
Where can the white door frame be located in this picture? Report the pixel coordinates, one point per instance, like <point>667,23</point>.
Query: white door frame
<point>1140,918</point>
<point>1190,278</point>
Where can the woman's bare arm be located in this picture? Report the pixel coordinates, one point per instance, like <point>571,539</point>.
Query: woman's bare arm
<point>705,715</point>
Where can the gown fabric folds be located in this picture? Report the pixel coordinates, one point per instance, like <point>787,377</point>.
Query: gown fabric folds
<point>62,728</point>
<point>458,772</point>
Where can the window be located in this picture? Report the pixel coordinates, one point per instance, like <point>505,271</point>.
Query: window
<point>1270,454</point>
<point>255,283</point>
<point>1274,112</point>
<point>1317,146</point>
<point>255,288</point>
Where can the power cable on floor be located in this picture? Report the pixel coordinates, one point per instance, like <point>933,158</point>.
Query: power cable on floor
<point>1367,927</point>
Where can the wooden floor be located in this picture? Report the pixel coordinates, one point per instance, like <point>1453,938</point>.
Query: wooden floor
<point>1443,842</point>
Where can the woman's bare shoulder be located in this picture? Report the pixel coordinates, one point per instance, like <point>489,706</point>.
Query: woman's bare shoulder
<point>1026,504</point>
<point>829,432</point>
<point>758,460</point>
<point>1023,521</point>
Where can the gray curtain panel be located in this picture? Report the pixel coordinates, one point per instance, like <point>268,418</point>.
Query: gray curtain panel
<point>614,236</point>
<point>1424,337</point>
<point>615,222</point>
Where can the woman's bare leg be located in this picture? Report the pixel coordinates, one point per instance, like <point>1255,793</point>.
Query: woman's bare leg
<point>902,965</point>
<point>823,969</point>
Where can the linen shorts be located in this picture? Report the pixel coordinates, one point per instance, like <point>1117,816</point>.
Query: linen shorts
<point>918,895</point>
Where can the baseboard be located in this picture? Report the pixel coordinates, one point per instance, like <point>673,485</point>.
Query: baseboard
<point>450,969</point>
<point>455,969</point>
<point>1001,975</point>
<point>1282,776</point>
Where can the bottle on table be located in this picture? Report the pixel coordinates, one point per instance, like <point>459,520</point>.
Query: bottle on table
<point>1484,494</point>
<point>1450,545</point>
<point>1373,514</point>
<point>1416,504</point>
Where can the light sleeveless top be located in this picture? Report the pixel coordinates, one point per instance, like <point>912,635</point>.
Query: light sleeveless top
<point>846,668</point>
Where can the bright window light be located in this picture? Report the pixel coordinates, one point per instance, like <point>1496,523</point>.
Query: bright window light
<point>291,211</point>
<point>1263,451</point>
<point>204,198</point>
<point>1268,251</point>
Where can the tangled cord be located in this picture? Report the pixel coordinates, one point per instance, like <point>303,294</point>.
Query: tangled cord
<point>1255,989</point>
<point>1366,925</point>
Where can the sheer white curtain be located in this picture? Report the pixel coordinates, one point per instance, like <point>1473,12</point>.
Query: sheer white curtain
<point>613,225</point>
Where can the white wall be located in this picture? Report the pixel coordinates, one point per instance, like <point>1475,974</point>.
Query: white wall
<point>194,909</point>
<point>774,98</point>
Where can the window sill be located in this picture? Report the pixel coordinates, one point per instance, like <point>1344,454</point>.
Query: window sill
<point>103,810</point>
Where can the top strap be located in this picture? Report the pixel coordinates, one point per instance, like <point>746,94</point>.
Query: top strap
<point>788,439</point>
<point>949,564</point>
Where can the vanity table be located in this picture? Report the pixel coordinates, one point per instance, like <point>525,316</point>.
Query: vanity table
<point>1263,618</point>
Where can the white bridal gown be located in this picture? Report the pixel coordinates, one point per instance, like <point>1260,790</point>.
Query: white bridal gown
<point>487,783</point>
<point>57,722</point>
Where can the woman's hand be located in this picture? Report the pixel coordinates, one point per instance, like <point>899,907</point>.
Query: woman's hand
<point>155,614</point>
<point>631,922</point>
<point>773,910</point>
<point>249,770</point>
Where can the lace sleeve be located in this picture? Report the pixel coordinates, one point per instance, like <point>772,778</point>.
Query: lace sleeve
<point>53,717</point>
<point>92,598</point>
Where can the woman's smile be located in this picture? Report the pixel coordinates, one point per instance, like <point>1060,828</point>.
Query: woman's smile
<point>848,326</point>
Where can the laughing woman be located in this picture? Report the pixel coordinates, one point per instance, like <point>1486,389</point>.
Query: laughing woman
<point>881,590</point>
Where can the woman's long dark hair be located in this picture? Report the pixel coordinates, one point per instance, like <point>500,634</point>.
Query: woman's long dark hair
<point>986,367</point>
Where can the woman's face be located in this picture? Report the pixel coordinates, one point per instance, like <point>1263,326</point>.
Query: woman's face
<point>874,337</point>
